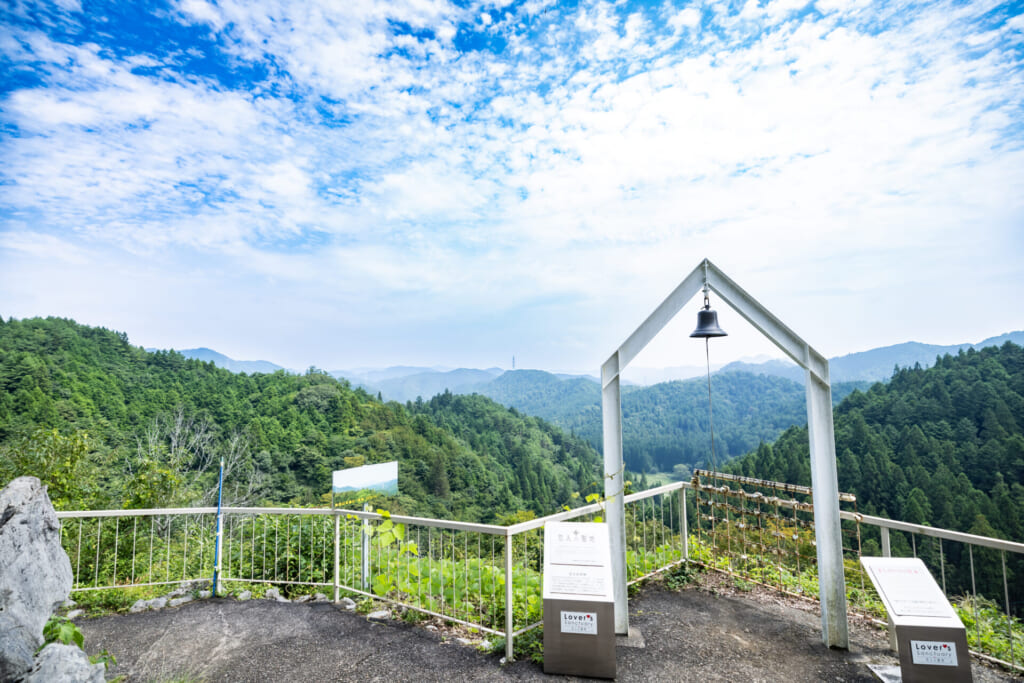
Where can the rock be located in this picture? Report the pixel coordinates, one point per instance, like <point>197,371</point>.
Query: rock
<point>245,595</point>
<point>304,598</point>
<point>463,641</point>
<point>35,573</point>
<point>69,603</point>
<point>348,604</point>
<point>319,597</point>
<point>139,605</point>
<point>60,662</point>
<point>485,645</point>
<point>379,615</point>
<point>189,587</point>
<point>75,613</point>
<point>179,601</point>
<point>431,627</point>
<point>17,645</point>
<point>203,595</point>
<point>158,603</point>
<point>274,594</point>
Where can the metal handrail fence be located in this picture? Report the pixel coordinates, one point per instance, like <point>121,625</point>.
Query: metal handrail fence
<point>485,576</point>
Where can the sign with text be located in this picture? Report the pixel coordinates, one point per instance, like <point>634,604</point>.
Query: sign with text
<point>346,485</point>
<point>907,587</point>
<point>577,561</point>
<point>579,609</point>
<point>924,628</point>
<point>933,652</point>
<point>579,622</point>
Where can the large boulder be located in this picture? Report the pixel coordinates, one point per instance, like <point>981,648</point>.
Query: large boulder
<point>35,573</point>
<point>59,662</point>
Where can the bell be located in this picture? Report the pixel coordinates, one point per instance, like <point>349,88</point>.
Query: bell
<point>707,324</point>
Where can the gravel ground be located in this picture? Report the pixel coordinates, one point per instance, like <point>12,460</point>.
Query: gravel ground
<point>708,632</point>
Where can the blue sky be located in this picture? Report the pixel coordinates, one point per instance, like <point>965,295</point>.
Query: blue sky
<point>361,183</point>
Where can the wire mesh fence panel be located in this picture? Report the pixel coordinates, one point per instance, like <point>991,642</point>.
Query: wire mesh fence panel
<point>764,531</point>
<point>123,550</point>
<point>653,535</point>
<point>275,548</point>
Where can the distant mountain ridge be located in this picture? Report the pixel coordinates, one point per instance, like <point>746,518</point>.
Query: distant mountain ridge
<point>404,383</point>
<point>221,361</point>
<point>874,365</point>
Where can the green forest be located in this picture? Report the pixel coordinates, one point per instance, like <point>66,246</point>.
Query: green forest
<point>106,424</point>
<point>942,446</point>
<point>665,426</point>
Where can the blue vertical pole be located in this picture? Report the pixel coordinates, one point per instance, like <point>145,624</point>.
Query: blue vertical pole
<point>220,528</point>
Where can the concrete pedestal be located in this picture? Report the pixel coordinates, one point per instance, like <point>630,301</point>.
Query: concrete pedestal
<point>590,650</point>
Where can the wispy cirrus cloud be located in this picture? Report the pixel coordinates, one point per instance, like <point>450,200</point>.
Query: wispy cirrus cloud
<point>485,156</point>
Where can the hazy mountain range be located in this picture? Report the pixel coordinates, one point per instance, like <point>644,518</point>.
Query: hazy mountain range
<point>664,424</point>
<point>406,383</point>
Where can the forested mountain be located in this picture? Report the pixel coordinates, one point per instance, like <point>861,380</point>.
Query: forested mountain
<point>666,424</point>
<point>942,446</point>
<point>109,424</point>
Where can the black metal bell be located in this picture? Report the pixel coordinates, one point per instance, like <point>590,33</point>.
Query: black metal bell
<point>707,324</point>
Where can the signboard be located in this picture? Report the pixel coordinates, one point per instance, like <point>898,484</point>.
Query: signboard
<point>907,588</point>
<point>577,561</point>
<point>924,628</point>
<point>380,478</point>
<point>579,608</point>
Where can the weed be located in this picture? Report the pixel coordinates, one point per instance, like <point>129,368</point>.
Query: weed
<point>63,630</point>
<point>681,576</point>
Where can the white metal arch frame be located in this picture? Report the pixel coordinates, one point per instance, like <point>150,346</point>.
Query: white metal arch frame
<point>821,435</point>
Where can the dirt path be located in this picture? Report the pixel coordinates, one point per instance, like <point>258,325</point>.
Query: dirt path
<point>707,633</point>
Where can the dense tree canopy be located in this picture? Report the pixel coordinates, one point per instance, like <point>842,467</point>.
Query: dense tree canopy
<point>147,429</point>
<point>666,424</point>
<point>942,446</point>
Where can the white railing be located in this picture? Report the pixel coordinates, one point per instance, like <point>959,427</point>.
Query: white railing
<point>482,575</point>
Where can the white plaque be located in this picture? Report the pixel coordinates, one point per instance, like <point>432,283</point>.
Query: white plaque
<point>907,587</point>
<point>577,561</point>
<point>579,622</point>
<point>933,652</point>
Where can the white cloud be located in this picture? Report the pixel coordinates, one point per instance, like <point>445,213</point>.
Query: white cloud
<point>601,152</point>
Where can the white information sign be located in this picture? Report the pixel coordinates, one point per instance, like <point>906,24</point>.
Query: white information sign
<point>933,652</point>
<point>579,622</point>
<point>577,561</point>
<point>907,587</point>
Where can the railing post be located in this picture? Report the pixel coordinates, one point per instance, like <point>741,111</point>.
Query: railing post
<point>366,549</point>
<point>337,556</point>
<point>220,530</point>
<point>683,524</point>
<point>886,548</point>
<point>509,621</point>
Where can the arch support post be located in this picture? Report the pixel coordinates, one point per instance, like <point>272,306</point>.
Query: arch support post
<point>614,489</point>
<point>827,529</point>
<point>821,435</point>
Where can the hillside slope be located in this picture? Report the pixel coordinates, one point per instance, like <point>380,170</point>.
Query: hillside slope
<point>157,423</point>
<point>942,446</point>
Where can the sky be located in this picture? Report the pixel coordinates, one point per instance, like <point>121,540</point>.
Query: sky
<point>420,182</point>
